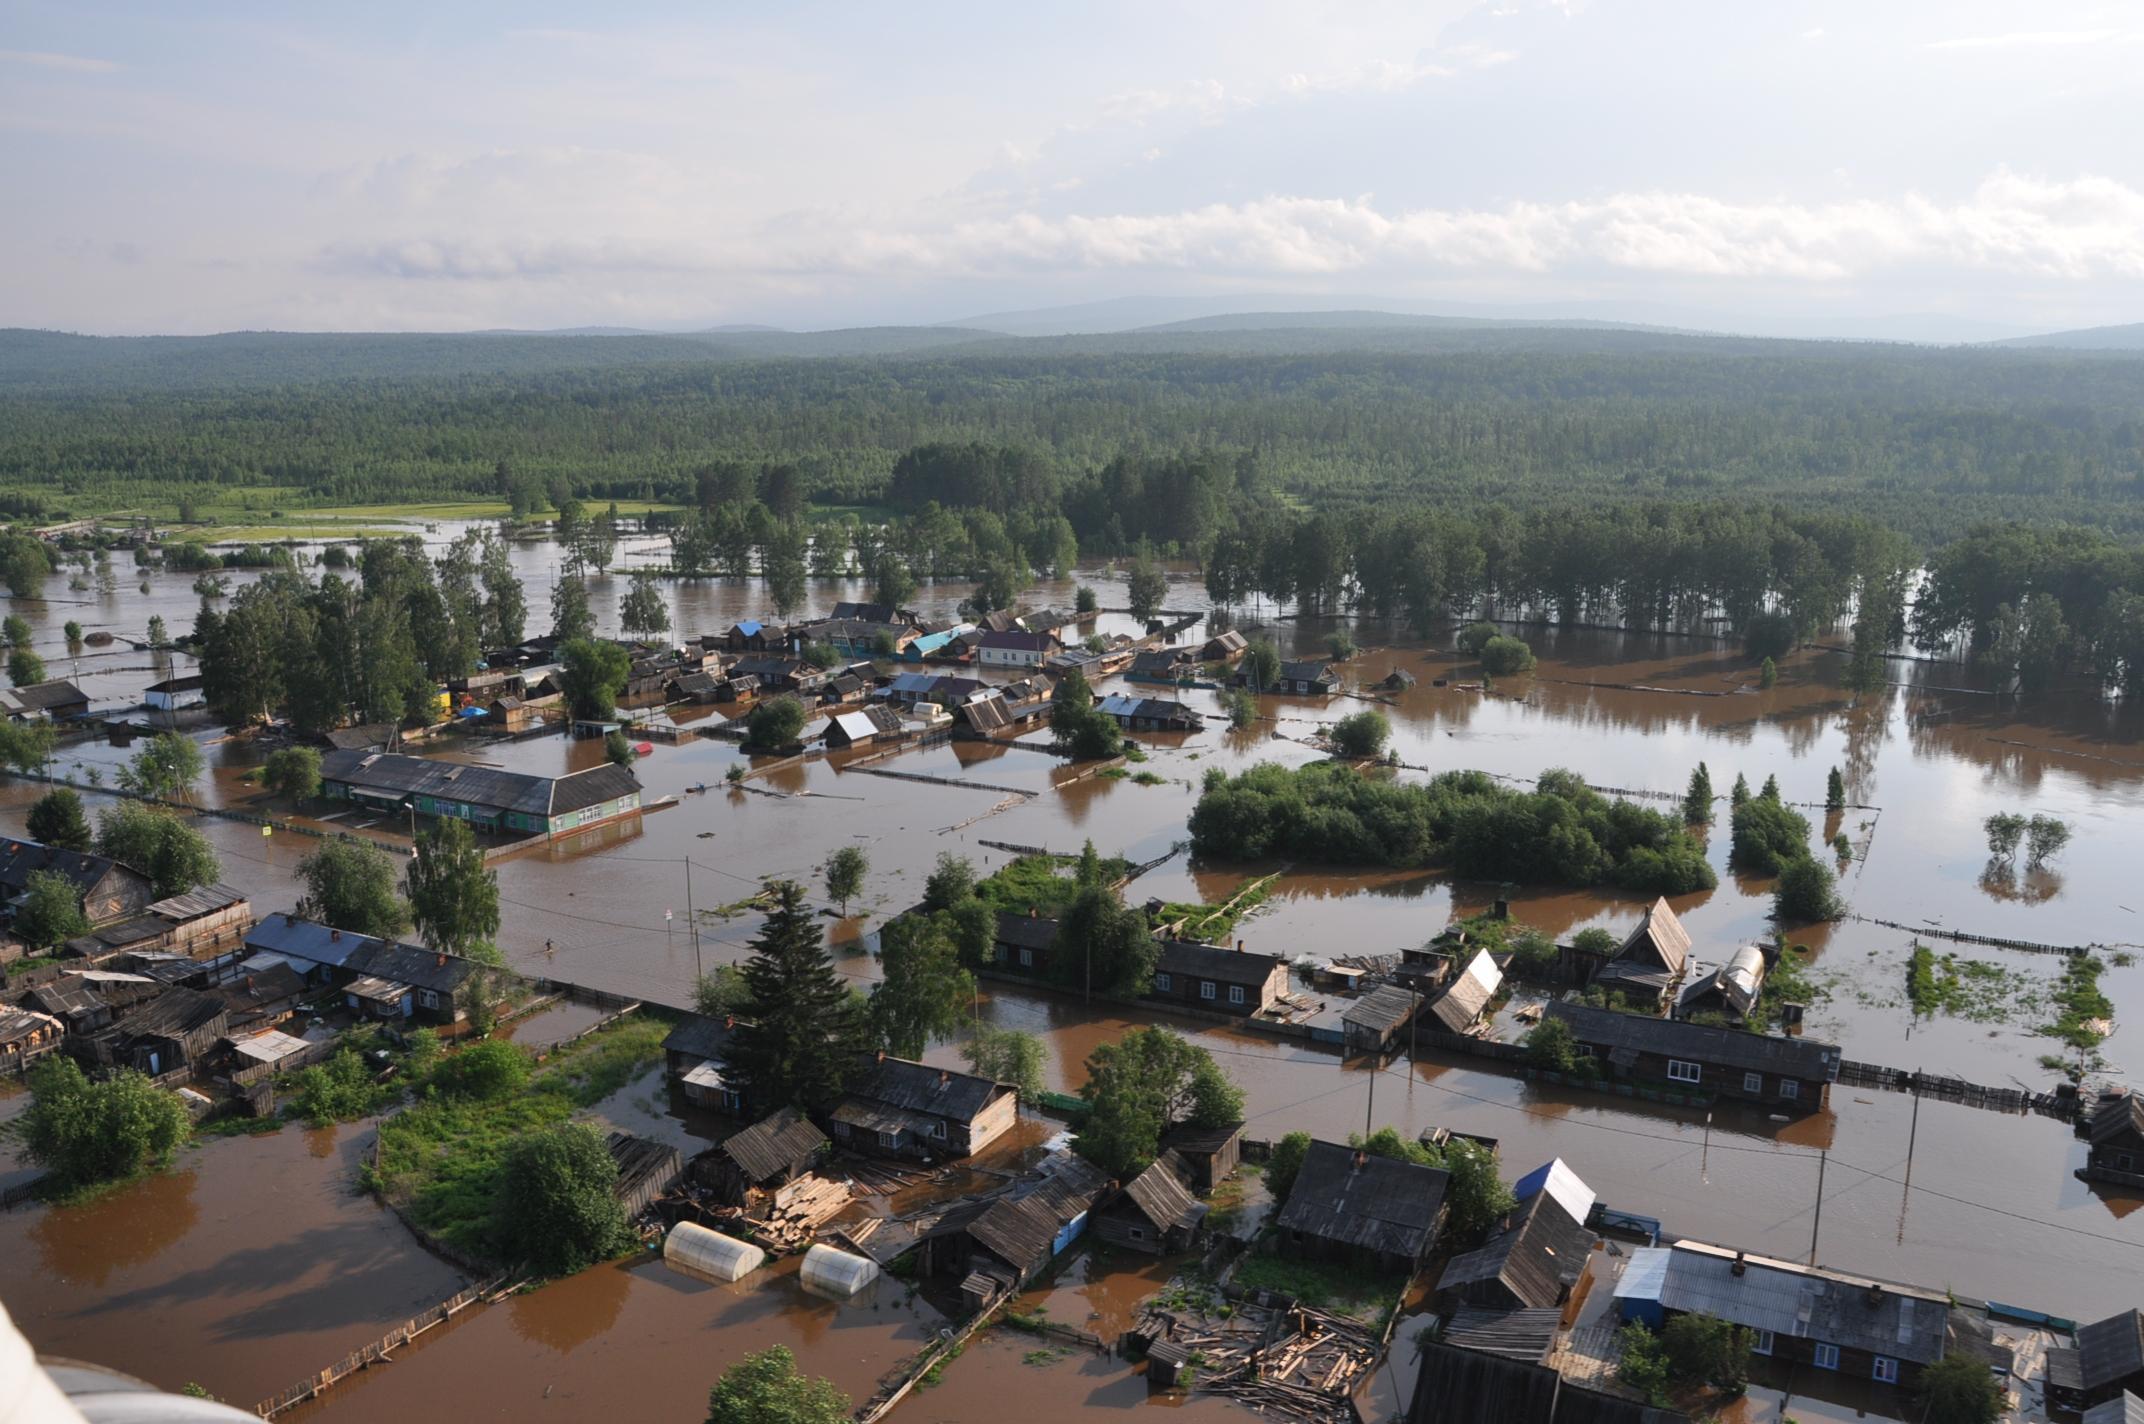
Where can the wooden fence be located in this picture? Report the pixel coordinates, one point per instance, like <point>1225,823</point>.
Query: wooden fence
<point>1956,1090</point>
<point>378,1350</point>
<point>1963,937</point>
<point>12,1197</point>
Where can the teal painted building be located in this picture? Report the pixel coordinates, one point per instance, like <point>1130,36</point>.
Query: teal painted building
<point>510,802</point>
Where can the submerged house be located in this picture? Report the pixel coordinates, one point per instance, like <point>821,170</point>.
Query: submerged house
<point>862,726</point>
<point>2116,1132</point>
<point>1150,714</point>
<point>1357,1208</point>
<point>1806,1315</point>
<point>1023,943</point>
<point>487,797</point>
<point>1652,958</point>
<point>1216,979</point>
<point>1302,678</point>
<point>1470,995</point>
<point>1015,648</point>
<point>1372,1022</point>
<point>1210,1155</point>
<point>105,890</point>
<point>1795,1073</point>
<point>56,701</point>
<point>1538,1253</point>
<point>692,1056</point>
<point>1018,1234</point>
<point>1155,1212</point>
<point>907,1109</point>
<point>2106,1362</point>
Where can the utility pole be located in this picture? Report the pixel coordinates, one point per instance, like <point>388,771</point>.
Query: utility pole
<point>1823,1160</point>
<point>693,922</point>
<point>1369,1109</point>
<point>1905,1192</point>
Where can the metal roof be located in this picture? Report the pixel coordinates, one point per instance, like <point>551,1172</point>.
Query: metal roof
<point>1557,1180</point>
<point>1470,993</point>
<point>271,1047</point>
<point>1216,962</point>
<point>395,775</point>
<point>916,1087</point>
<point>698,1036</point>
<point>1738,982</point>
<point>2127,1409</point>
<point>1360,1199</point>
<point>1723,1047</point>
<point>2111,1350</point>
<point>20,859</point>
<point>1805,1302</point>
<point>414,965</point>
<point>305,941</point>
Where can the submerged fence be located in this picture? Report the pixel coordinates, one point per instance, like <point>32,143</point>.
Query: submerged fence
<point>378,1350</point>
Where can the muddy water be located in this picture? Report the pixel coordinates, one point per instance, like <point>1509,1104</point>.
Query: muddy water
<point>1995,1211</point>
<point>245,1268</point>
<point>635,1341</point>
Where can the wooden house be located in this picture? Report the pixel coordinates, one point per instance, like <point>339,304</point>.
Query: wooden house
<point>1015,648</point>
<point>2128,1409</point>
<point>1018,1234</point>
<point>510,716</point>
<point>1356,1208</point>
<point>692,1057</point>
<point>2106,1362</point>
<point>752,636</point>
<point>177,1029</point>
<point>2116,1132</point>
<point>1162,665</point>
<point>1487,1367</point>
<point>1538,1252</point>
<point>1150,714</point>
<point>902,1109</point>
<point>74,1001</point>
<point>105,889</point>
<point>1652,958</point>
<point>1790,1073</point>
<point>1462,1005</point>
<point>1802,1315</point>
<point>408,981</point>
<point>1300,678</point>
<point>1155,1212</point>
<point>206,921</point>
<point>770,1153</point>
<point>1024,942</point>
<point>1215,979</point>
<point>1399,680</point>
<point>262,998</point>
<point>863,726</point>
<point>1210,1154</point>
<point>56,701</point>
<point>779,674</point>
<point>1373,1022</point>
<point>26,1036</point>
<point>1224,647</point>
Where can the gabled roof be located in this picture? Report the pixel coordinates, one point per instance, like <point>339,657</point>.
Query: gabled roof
<point>1159,1195</point>
<point>1360,1199</point>
<point>1022,1227</point>
<point>305,941</point>
<point>1737,1048</point>
<point>20,859</point>
<point>199,901</point>
<point>1462,1004</point>
<point>1383,1008</point>
<point>2117,1118</point>
<point>1556,1179</point>
<point>363,737</point>
<point>919,1088</point>
<point>413,965</point>
<point>1305,670</point>
<point>698,1036</point>
<point>1016,641</point>
<point>1216,962</point>
<point>1738,982</point>
<point>173,1013</point>
<point>1804,1302</point>
<point>18,1024</point>
<point>1658,941</point>
<point>2110,1350</point>
<point>987,714</point>
<point>1538,1256</point>
<point>773,1145</point>
<point>1026,931</point>
<point>396,775</point>
<point>44,696</point>
<point>270,984</point>
<point>2125,1409</point>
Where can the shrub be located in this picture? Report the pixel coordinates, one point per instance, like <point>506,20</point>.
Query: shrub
<point>1806,893</point>
<point>774,724</point>
<point>1474,637</point>
<point>1506,656</point>
<point>85,1133</point>
<point>1360,734</point>
<point>485,1072</point>
<point>557,1209</point>
<point>1767,835</point>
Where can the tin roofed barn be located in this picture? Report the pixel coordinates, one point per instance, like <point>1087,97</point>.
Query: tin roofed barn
<point>506,801</point>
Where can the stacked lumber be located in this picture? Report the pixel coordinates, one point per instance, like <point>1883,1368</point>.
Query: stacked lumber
<point>1307,1368</point>
<point>795,1213</point>
<point>882,1179</point>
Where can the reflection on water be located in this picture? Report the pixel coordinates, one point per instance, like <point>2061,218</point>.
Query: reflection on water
<point>567,1314</point>
<point>87,1244</point>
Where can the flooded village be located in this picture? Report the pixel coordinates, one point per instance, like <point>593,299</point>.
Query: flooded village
<point>1867,1186</point>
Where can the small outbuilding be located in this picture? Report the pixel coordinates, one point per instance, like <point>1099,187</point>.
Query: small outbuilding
<point>1462,1005</point>
<point>1358,1208</point>
<point>1155,1212</point>
<point>829,1271</point>
<point>1732,990</point>
<point>770,1153</point>
<point>1652,959</point>
<point>2116,1155</point>
<point>1372,1022</point>
<point>1210,1154</point>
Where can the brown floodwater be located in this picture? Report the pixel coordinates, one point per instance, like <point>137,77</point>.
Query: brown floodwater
<point>1994,1211</point>
<point>248,1266</point>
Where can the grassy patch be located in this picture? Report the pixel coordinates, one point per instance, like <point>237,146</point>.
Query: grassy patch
<point>1045,882</point>
<point>1147,778</point>
<point>439,1160</point>
<point>1218,922</point>
<point>2080,1002</point>
<point>1113,773</point>
<point>1364,1295</point>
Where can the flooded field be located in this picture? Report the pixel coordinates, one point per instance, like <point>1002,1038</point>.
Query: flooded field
<point>1993,1210</point>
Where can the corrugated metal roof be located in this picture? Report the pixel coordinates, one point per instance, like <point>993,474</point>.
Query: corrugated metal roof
<point>916,1087</point>
<point>305,941</point>
<point>1558,1180</point>
<point>395,775</point>
<point>1852,1312</point>
<point>1700,1043</point>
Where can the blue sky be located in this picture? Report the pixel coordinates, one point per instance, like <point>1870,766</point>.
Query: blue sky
<point>212,166</point>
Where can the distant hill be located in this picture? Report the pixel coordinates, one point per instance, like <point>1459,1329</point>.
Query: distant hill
<point>2090,338</point>
<point>1375,320</point>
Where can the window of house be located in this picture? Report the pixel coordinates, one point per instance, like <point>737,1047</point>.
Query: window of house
<point>1826,1357</point>
<point>2124,1162</point>
<point>1789,1088</point>
<point>1683,1072</point>
<point>1584,1050</point>
<point>1235,993</point>
<point>1161,982</point>
<point>1206,988</point>
<point>1886,1370</point>
<point>1027,957</point>
<point>1138,1234</point>
<point>1752,1082</point>
<point>938,1129</point>
<point>1761,1343</point>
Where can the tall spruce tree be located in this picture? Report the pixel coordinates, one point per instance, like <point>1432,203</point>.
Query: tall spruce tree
<point>1697,801</point>
<point>809,1031</point>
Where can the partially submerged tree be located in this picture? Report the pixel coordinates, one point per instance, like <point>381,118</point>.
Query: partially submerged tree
<point>292,772</point>
<point>165,769</point>
<point>1806,893</point>
<point>350,885</point>
<point>1360,734</point>
<point>592,673</point>
<point>845,871</point>
<point>453,894</point>
<point>1006,1055</point>
<point>84,1133</point>
<point>558,1207</point>
<point>774,724</point>
<point>806,1033</point>
<point>1141,1086</point>
<point>1697,801</point>
<point>925,992</point>
<point>57,819</point>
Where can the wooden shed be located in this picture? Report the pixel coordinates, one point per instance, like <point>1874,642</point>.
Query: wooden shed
<point>1155,1212</point>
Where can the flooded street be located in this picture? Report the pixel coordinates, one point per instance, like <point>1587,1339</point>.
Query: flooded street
<point>280,1268</point>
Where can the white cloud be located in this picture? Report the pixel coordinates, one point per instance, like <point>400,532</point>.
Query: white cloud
<point>72,63</point>
<point>2028,39</point>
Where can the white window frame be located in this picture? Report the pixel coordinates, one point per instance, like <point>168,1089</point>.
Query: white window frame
<point>427,998</point>
<point>1761,1342</point>
<point>938,1129</point>
<point>1790,1088</point>
<point>1885,1370</point>
<point>1027,957</point>
<point>1825,1357</point>
<point>2124,1162</point>
<point>1752,1082</point>
<point>1206,990</point>
<point>1235,994</point>
<point>1683,1071</point>
<point>1163,983</point>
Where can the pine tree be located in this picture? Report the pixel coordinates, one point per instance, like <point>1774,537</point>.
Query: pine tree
<point>1741,792</point>
<point>805,1041</point>
<point>1771,789</point>
<point>1835,791</point>
<point>1697,801</point>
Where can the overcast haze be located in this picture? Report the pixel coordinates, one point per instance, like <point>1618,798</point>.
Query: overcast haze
<point>203,167</point>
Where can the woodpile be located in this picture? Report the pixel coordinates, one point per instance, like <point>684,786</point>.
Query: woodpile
<point>794,1214</point>
<point>883,1179</point>
<point>1297,1362</point>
